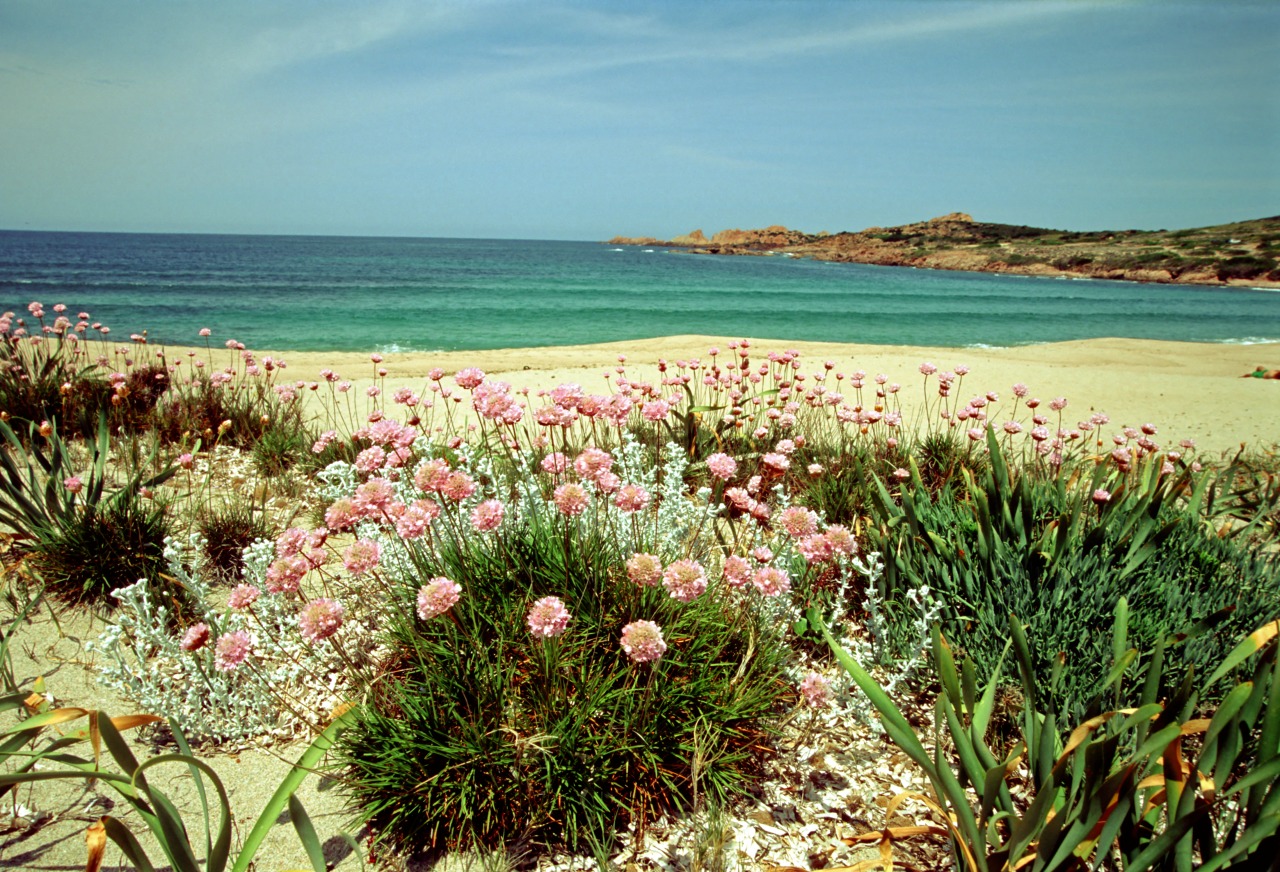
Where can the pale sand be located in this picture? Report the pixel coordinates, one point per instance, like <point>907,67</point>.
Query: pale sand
<point>1189,390</point>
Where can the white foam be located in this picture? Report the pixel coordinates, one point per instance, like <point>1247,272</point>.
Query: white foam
<point>1248,340</point>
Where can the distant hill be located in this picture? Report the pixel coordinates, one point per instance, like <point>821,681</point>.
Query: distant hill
<point>1244,253</point>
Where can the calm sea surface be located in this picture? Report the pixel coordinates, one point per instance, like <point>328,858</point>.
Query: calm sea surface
<point>364,294</point>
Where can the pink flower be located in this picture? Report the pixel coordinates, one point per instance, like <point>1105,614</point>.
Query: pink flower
<point>242,596</point>
<point>285,574</point>
<point>644,569</point>
<point>320,619</point>
<point>815,469</point>
<point>771,581</point>
<point>341,515</point>
<point>685,580</point>
<point>814,549</point>
<point>928,368</point>
<point>1101,496</point>
<point>592,463</point>
<point>631,498</point>
<point>437,597</point>
<point>607,482</point>
<point>361,556</point>
<point>642,640</point>
<point>431,474</point>
<point>840,540</point>
<point>655,410</point>
<point>902,474</point>
<point>413,521</point>
<point>722,466</point>
<point>1012,427</point>
<point>548,617</point>
<point>488,516</point>
<point>232,649</point>
<point>195,637</point>
<point>554,463</point>
<point>73,484</point>
<point>571,499</point>
<point>371,459</point>
<point>374,496</point>
<point>798,521</point>
<point>469,378</point>
<point>816,690</point>
<point>457,486</point>
<point>206,332</point>
<point>777,462</point>
<point>1059,404</point>
<point>737,571</point>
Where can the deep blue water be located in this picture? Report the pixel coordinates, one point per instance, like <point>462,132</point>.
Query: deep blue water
<point>361,294</point>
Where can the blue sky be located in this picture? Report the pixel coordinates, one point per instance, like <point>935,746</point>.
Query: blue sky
<point>581,120</point>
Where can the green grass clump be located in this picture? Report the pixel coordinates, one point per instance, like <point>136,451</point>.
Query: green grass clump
<point>477,732</point>
<point>1011,541</point>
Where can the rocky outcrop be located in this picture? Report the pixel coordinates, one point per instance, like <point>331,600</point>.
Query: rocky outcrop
<point>1243,253</point>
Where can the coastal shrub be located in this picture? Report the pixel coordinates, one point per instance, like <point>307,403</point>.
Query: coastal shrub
<point>1063,555</point>
<point>81,537</point>
<point>279,448</point>
<point>103,549</point>
<point>263,664</point>
<point>548,686</point>
<point>226,532</point>
<point>1245,267</point>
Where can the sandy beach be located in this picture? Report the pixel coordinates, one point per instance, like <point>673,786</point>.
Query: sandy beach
<point>1188,390</point>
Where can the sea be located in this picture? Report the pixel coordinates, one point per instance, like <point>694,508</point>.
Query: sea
<point>328,293</point>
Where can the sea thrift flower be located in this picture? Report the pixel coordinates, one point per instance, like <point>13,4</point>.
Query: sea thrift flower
<point>771,581</point>
<point>320,619</point>
<point>431,474</point>
<point>457,486</point>
<point>816,690</point>
<point>814,549</point>
<point>778,462</point>
<point>642,640</point>
<point>488,516</point>
<point>242,596</point>
<point>722,466</point>
<point>195,637</point>
<point>571,499</point>
<point>840,540</point>
<point>371,459</point>
<point>554,463</point>
<point>285,574</point>
<point>902,474</point>
<point>73,484</point>
<point>592,463</point>
<point>814,469</point>
<point>798,521</point>
<point>631,498</point>
<point>232,649</point>
<point>737,571</point>
<point>340,515</point>
<point>437,597</point>
<point>655,410</point>
<point>548,617</point>
<point>607,482</point>
<point>644,569</point>
<point>1101,496</point>
<point>469,378</point>
<point>685,580</point>
<point>361,556</point>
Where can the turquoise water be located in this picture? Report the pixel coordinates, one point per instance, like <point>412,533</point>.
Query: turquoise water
<point>364,294</point>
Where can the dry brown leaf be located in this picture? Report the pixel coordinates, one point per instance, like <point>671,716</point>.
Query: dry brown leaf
<point>95,839</point>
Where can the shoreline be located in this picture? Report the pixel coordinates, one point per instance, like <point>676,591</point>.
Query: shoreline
<point>1188,390</point>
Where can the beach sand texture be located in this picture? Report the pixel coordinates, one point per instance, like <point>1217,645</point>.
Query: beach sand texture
<point>1188,390</point>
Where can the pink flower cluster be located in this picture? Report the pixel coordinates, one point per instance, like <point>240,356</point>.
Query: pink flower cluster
<point>642,641</point>
<point>320,619</point>
<point>548,617</point>
<point>437,596</point>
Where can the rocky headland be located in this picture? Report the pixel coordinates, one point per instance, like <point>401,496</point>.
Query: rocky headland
<point>1243,253</point>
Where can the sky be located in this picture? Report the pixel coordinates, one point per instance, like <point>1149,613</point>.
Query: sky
<point>562,120</point>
